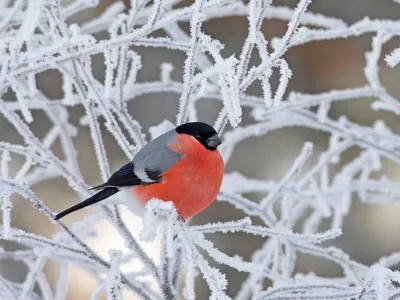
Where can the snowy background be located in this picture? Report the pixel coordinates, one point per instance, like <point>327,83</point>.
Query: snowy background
<point>61,86</point>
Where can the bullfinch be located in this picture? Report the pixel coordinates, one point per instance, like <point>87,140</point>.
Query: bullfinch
<point>182,165</point>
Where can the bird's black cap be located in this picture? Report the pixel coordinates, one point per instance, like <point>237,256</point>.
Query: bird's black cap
<point>196,128</point>
<point>203,132</point>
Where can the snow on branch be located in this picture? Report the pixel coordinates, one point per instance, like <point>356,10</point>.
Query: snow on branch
<point>38,36</point>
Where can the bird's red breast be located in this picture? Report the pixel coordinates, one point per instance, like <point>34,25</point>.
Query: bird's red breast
<point>192,183</point>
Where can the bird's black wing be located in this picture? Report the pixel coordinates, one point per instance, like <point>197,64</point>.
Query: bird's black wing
<point>127,175</point>
<point>148,164</point>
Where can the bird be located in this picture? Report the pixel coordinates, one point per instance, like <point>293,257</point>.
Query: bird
<point>182,165</point>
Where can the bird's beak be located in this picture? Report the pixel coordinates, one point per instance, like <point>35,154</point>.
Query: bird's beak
<point>213,142</point>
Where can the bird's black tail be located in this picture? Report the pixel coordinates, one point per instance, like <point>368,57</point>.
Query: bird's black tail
<point>103,194</point>
<point>99,187</point>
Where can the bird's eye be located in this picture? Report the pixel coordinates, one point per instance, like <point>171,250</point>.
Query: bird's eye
<point>199,138</point>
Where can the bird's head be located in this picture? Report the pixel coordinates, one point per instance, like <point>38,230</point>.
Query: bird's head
<point>202,132</point>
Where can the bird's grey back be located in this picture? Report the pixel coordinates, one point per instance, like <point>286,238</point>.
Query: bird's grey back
<point>157,155</point>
